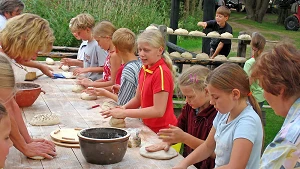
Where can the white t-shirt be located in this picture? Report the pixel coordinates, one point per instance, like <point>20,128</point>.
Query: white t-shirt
<point>80,54</point>
<point>3,21</point>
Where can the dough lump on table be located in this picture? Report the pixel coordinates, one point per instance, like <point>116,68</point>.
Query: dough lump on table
<point>226,35</point>
<point>197,33</point>
<point>65,67</point>
<point>44,120</point>
<point>77,88</point>
<point>202,56</point>
<point>213,34</point>
<point>170,30</point>
<point>151,27</point>
<point>220,58</point>
<point>244,37</point>
<point>68,75</point>
<point>50,61</point>
<point>181,31</point>
<point>237,59</point>
<point>114,122</point>
<point>175,55</point>
<point>37,158</point>
<point>159,155</point>
<point>85,96</point>
<point>187,55</point>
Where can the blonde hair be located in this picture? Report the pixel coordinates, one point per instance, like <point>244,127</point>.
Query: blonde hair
<point>223,10</point>
<point>258,41</point>
<point>231,76</point>
<point>26,34</point>
<point>194,77</point>
<point>82,22</point>
<point>104,28</point>
<point>156,40</point>
<point>124,40</point>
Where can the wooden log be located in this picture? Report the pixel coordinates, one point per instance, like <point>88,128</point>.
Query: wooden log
<point>242,46</point>
<point>58,55</point>
<point>65,48</point>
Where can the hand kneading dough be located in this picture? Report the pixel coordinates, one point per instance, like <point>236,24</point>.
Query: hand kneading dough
<point>159,155</point>
<point>226,35</point>
<point>85,96</point>
<point>237,59</point>
<point>170,30</point>
<point>114,122</point>
<point>77,88</point>
<point>175,55</point>
<point>202,56</point>
<point>197,33</point>
<point>213,34</point>
<point>68,75</point>
<point>181,31</point>
<point>37,158</point>
<point>65,67</point>
<point>244,37</point>
<point>151,27</point>
<point>220,58</point>
<point>187,55</point>
<point>108,105</point>
<point>50,61</point>
<point>44,120</point>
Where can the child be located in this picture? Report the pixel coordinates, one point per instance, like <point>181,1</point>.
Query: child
<point>124,42</point>
<point>258,43</point>
<point>278,74</point>
<point>237,133</point>
<point>196,118</point>
<point>5,142</point>
<point>103,33</point>
<point>9,9</point>
<point>94,56</point>
<point>219,46</point>
<point>155,88</point>
<point>80,55</point>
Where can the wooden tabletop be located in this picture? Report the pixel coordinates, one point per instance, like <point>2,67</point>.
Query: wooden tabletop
<point>73,113</point>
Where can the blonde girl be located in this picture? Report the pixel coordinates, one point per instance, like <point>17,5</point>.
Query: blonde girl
<point>155,88</point>
<point>103,33</point>
<point>237,134</point>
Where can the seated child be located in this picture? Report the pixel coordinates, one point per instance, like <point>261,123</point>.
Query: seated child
<point>5,142</point>
<point>94,56</point>
<point>219,46</point>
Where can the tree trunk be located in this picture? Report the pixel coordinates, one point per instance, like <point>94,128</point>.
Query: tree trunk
<point>249,4</point>
<point>283,13</point>
<point>256,9</point>
<point>193,7</point>
<point>186,8</point>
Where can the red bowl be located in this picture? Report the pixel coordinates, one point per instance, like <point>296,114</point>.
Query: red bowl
<point>27,93</point>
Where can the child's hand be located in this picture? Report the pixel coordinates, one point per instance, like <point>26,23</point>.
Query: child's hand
<point>86,82</point>
<point>157,147</point>
<point>66,61</point>
<point>78,71</point>
<point>115,88</point>
<point>46,70</point>
<point>203,24</point>
<point>171,135</point>
<point>116,113</point>
<point>96,91</point>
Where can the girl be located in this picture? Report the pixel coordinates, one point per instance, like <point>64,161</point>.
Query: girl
<point>196,118</point>
<point>237,133</point>
<point>258,43</point>
<point>102,33</point>
<point>278,73</point>
<point>21,39</point>
<point>155,87</point>
<point>5,142</point>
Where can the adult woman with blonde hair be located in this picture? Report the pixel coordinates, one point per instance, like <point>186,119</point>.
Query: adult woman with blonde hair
<point>21,39</point>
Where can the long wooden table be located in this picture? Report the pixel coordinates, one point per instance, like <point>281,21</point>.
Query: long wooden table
<point>73,113</point>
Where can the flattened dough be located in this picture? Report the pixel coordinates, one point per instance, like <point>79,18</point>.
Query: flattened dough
<point>68,75</point>
<point>85,96</point>
<point>197,33</point>
<point>237,59</point>
<point>175,55</point>
<point>44,120</point>
<point>159,155</point>
<point>181,31</point>
<point>37,158</point>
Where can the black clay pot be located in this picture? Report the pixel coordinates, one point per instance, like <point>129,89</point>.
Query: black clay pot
<point>103,145</point>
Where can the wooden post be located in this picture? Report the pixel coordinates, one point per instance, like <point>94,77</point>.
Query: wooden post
<point>174,18</point>
<point>242,46</point>
<point>208,14</point>
<point>163,30</point>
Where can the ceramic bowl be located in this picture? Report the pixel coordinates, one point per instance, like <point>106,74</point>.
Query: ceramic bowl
<point>27,93</point>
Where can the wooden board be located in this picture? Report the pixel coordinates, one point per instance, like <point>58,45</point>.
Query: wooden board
<point>68,145</point>
<point>67,135</point>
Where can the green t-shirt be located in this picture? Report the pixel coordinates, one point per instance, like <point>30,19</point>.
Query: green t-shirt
<point>256,90</point>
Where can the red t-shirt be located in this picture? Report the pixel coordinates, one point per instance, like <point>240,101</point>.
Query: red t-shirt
<point>119,74</point>
<point>156,79</point>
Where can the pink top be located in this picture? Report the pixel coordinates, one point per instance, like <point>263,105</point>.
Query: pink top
<point>107,67</point>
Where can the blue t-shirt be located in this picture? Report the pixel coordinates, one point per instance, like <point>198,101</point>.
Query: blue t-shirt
<point>247,125</point>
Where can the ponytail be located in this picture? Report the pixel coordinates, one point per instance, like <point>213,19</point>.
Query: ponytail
<point>169,63</point>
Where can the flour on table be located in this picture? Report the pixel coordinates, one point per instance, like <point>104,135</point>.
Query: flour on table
<point>44,120</point>
<point>159,155</point>
<point>134,139</point>
<point>85,96</point>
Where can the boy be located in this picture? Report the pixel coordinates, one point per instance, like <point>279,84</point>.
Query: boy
<point>94,56</point>
<point>124,42</point>
<point>9,9</point>
<point>219,46</point>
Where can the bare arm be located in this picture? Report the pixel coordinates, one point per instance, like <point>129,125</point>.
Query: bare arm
<point>219,48</point>
<point>45,69</point>
<point>88,69</point>
<point>134,102</point>
<point>71,62</point>
<point>203,24</point>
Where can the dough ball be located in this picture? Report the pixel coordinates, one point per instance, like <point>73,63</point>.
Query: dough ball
<point>37,158</point>
<point>77,88</point>
<point>44,120</point>
<point>237,59</point>
<point>108,105</point>
<point>213,34</point>
<point>65,67</point>
<point>68,75</point>
<point>181,31</point>
<point>244,37</point>
<point>114,122</point>
<point>170,30</point>
<point>50,61</point>
<point>159,155</point>
<point>197,33</point>
<point>226,35</point>
<point>85,96</point>
<point>202,56</point>
<point>151,27</point>
<point>187,55</point>
<point>134,139</point>
<point>175,55</point>
<point>220,58</point>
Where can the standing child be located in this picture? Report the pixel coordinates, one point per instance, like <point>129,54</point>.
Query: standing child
<point>124,42</point>
<point>237,133</point>
<point>155,90</point>
<point>219,46</point>
<point>103,33</point>
<point>94,56</point>
<point>196,118</point>
<point>258,43</point>
<point>5,142</point>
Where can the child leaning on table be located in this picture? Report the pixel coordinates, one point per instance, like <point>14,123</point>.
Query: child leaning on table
<point>237,133</point>
<point>103,33</point>
<point>155,86</point>
<point>94,55</point>
<point>5,142</point>
<point>80,54</point>
<point>219,46</point>
<point>125,45</point>
<point>196,118</point>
